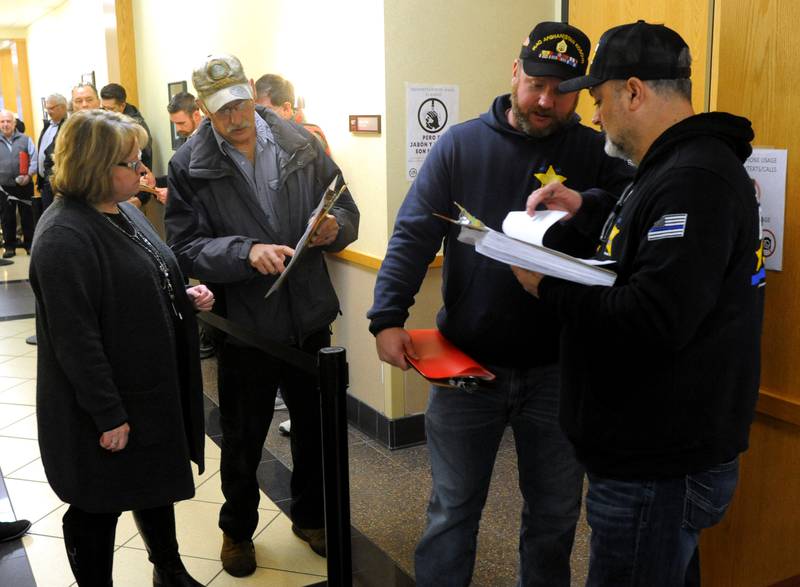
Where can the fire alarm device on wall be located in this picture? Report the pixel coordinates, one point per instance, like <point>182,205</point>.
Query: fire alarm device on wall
<point>367,123</point>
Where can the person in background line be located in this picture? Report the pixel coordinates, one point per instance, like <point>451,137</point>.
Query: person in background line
<point>277,94</point>
<point>119,391</point>
<point>184,114</point>
<point>490,165</point>
<point>84,97</point>
<point>18,164</point>
<point>660,372</point>
<point>56,106</point>
<point>241,193</point>
<point>114,97</point>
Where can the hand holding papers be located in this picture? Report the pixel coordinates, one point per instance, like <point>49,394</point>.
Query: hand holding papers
<point>440,362</point>
<point>520,244</point>
<point>317,219</point>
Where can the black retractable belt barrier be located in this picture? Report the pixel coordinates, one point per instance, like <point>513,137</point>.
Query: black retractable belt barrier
<point>335,465</point>
<point>331,371</point>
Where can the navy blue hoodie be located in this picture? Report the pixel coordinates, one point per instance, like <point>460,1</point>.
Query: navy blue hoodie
<point>489,167</point>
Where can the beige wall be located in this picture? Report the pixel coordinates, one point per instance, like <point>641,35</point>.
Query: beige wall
<point>62,45</point>
<point>469,44</point>
<point>331,51</point>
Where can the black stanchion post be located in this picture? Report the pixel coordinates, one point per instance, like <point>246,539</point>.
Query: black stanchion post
<point>333,386</point>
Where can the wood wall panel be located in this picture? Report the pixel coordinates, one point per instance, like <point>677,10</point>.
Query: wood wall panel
<point>126,45</point>
<point>690,19</point>
<point>758,78</point>
<point>8,85</point>
<point>758,542</point>
<point>25,85</point>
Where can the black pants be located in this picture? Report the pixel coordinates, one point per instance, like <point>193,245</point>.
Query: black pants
<point>47,194</point>
<point>9,216</point>
<point>248,381</point>
<point>89,540</point>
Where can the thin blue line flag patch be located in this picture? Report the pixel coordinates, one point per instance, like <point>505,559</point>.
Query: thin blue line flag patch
<point>668,226</point>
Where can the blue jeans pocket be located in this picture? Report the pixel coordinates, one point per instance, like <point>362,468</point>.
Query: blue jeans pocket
<point>708,494</point>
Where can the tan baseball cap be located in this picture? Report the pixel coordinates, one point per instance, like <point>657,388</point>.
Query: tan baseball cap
<point>220,80</point>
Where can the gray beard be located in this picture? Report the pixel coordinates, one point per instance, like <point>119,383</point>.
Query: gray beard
<point>618,150</point>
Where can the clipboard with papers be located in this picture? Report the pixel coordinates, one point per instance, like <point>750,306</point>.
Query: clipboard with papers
<point>520,245</point>
<point>327,201</point>
<point>442,363</point>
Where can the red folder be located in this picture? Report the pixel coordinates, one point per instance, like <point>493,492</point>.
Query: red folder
<point>440,361</point>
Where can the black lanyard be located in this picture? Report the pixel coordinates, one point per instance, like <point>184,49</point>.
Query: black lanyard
<point>605,234</point>
<point>143,243</point>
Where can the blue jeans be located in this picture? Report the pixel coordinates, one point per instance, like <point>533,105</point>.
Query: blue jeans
<point>464,430</point>
<point>644,533</point>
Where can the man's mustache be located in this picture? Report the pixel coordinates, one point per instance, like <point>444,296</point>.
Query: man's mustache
<point>235,127</point>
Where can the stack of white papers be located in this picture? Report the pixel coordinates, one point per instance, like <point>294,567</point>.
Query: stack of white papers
<point>520,244</point>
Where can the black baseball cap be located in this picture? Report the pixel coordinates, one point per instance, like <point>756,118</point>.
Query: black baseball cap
<point>643,50</point>
<point>555,49</point>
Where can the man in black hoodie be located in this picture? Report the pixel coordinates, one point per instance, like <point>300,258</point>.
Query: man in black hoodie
<point>490,165</point>
<point>660,372</point>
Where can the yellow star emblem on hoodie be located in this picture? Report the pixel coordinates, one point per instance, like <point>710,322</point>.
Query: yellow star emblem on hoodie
<point>550,176</point>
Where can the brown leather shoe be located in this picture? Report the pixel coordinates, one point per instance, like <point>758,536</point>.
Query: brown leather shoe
<point>238,558</point>
<point>314,536</point>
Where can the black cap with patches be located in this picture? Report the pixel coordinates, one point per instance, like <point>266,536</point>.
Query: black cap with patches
<point>643,50</point>
<point>555,49</point>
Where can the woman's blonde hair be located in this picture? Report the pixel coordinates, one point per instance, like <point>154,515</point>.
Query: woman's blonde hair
<point>88,147</point>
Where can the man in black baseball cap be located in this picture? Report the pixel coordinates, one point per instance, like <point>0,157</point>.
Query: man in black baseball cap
<point>490,164</point>
<point>643,50</point>
<point>660,431</point>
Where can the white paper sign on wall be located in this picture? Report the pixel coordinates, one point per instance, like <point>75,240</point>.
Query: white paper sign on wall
<point>430,111</point>
<point>767,169</point>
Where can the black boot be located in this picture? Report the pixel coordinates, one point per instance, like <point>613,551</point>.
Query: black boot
<point>157,527</point>
<point>89,540</point>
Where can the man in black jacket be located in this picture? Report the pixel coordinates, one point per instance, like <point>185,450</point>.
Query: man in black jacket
<point>490,164</point>
<point>660,371</point>
<point>114,97</point>
<point>56,106</point>
<point>241,194</point>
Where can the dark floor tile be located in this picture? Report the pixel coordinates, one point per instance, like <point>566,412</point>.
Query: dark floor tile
<point>274,479</point>
<point>372,568</point>
<point>16,300</point>
<point>213,425</point>
<point>14,567</point>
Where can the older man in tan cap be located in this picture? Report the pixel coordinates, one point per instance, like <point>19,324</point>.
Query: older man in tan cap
<point>241,194</point>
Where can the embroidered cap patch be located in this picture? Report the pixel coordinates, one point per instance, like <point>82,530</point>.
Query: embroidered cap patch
<point>668,226</point>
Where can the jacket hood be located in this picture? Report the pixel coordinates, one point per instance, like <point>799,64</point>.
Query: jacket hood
<point>496,118</point>
<point>734,131</point>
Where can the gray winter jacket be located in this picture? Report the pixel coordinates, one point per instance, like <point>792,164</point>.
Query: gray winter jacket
<point>213,219</point>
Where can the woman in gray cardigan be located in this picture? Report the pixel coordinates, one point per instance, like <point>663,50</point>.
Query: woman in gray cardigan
<point>119,394</point>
